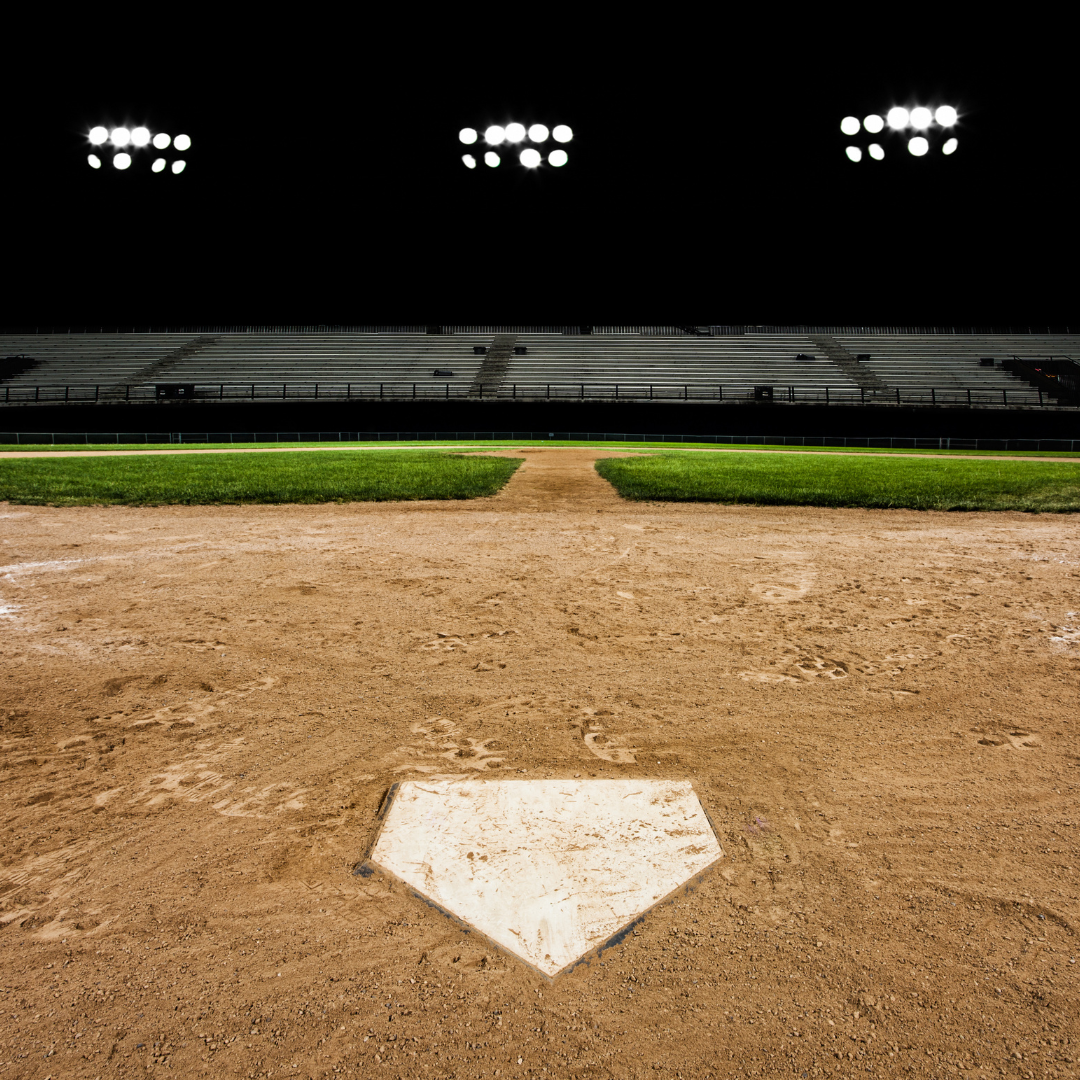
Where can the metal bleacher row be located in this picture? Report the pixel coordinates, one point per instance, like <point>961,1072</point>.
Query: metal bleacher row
<point>797,366</point>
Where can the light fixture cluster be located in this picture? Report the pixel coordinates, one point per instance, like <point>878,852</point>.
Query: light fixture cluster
<point>512,135</point>
<point>922,120</point>
<point>123,140</point>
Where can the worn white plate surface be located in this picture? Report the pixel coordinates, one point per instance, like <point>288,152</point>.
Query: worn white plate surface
<point>548,869</point>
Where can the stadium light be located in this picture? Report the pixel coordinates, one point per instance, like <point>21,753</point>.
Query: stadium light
<point>917,146</point>
<point>121,161</point>
<point>558,158</point>
<point>120,136</point>
<point>538,133</point>
<point>853,153</point>
<point>849,125</point>
<point>873,123</point>
<point>178,167</point>
<point>94,161</point>
<point>182,142</point>
<point>468,136</point>
<point>494,135</point>
<point>491,159</point>
<point>158,166</point>
<point>897,118</point>
<point>949,147</point>
<point>98,135</point>
<point>875,151</point>
<point>921,118</point>
<point>161,141</point>
<point>515,133</point>
<point>561,133</point>
<point>945,115</point>
<point>530,158</point>
<point>140,136</point>
<point>470,161</point>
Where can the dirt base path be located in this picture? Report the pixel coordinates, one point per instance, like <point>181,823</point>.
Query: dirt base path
<point>202,709</point>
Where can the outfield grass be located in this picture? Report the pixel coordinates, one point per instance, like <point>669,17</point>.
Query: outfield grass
<point>775,479</point>
<point>336,476</point>
<point>509,444</point>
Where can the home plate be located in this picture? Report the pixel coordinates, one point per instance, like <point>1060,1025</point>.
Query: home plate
<point>549,870</point>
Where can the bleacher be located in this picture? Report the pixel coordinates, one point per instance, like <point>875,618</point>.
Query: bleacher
<point>532,363</point>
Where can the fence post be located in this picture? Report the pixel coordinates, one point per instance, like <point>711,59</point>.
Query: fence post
<point>862,395</point>
<point>348,391</point>
<point>549,390</point>
<point>447,391</point>
<point>96,389</point>
<point>316,391</point>
<point>583,390</point>
<point>1004,396</point>
<point>650,393</point>
<point>898,395</point>
<point>969,399</point>
<point>380,391</point>
<point>37,393</point>
<point>252,391</point>
<point>684,393</point>
<point>127,392</point>
<point>933,396</point>
<point>283,385</point>
<point>826,395</point>
<point>1040,394</point>
<point>414,391</point>
<point>221,391</point>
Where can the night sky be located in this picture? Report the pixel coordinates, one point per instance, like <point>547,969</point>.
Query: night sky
<point>707,181</point>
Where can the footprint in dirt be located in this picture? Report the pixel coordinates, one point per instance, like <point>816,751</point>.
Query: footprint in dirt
<point>442,747</point>
<point>817,667</point>
<point>615,749</point>
<point>1011,740</point>
<point>792,580</point>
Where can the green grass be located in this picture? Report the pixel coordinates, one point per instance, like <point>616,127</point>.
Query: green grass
<point>775,479</point>
<point>490,444</point>
<point>335,476</point>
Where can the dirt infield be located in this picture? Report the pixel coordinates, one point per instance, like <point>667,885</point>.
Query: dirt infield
<point>203,708</point>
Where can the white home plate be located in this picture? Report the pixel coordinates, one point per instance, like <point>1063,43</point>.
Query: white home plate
<point>547,869</point>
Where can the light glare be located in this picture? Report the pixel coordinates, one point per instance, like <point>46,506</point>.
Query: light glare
<point>140,137</point>
<point>529,158</point>
<point>491,159</point>
<point>121,160</point>
<point>949,147</point>
<point>158,166</point>
<point>849,125</point>
<point>921,118</point>
<point>94,161</point>
<point>182,142</point>
<point>467,135</point>
<point>120,136</point>
<point>875,151</point>
<point>917,146</point>
<point>98,135</point>
<point>515,132</point>
<point>853,153</point>
<point>494,135</point>
<point>470,161</point>
<point>161,140</point>
<point>873,123</point>
<point>538,133</point>
<point>178,167</point>
<point>561,133</point>
<point>897,118</point>
<point>945,115</point>
<point>557,158</point>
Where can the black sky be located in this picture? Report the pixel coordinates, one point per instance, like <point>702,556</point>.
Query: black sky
<point>707,181</point>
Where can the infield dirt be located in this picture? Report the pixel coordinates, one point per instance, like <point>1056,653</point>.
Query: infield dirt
<point>203,708</point>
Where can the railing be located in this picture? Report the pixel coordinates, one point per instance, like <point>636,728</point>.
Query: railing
<point>582,391</point>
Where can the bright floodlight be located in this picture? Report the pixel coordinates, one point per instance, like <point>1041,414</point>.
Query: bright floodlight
<point>921,118</point>
<point>853,153</point>
<point>918,146</point>
<point>161,140</point>
<point>121,161</point>
<point>178,167</point>
<point>557,158</point>
<point>561,133</point>
<point>94,161</point>
<point>897,118</point>
<point>140,137</point>
<point>538,133</point>
<point>873,123</point>
<point>849,125</point>
<point>515,132</point>
<point>945,115</point>
<point>120,136</point>
<point>491,159</point>
<point>98,135</point>
<point>467,135</point>
<point>875,151</point>
<point>470,161</point>
<point>494,135</point>
<point>182,142</point>
<point>529,158</point>
<point>949,147</point>
<point>158,166</point>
